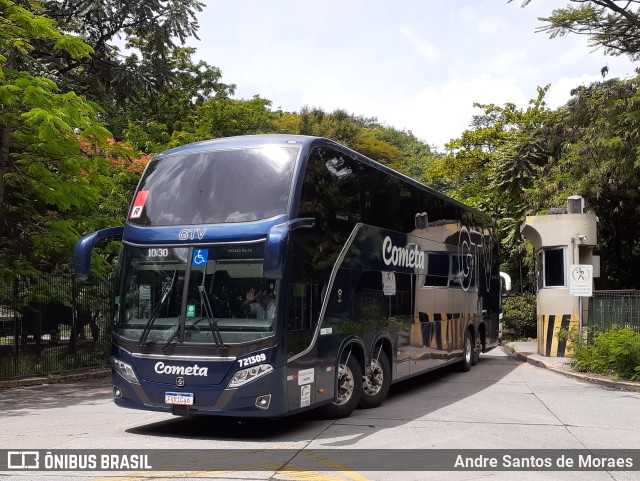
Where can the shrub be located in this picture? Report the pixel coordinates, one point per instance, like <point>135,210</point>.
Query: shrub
<point>519,316</point>
<point>614,352</point>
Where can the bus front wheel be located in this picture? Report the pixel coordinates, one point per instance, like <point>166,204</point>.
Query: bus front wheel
<point>349,389</point>
<point>375,385</point>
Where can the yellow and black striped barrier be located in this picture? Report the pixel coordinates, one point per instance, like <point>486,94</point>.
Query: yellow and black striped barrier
<point>548,328</point>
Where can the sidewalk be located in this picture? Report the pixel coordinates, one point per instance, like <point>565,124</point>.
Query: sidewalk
<point>71,376</point>
<point>527,351</point>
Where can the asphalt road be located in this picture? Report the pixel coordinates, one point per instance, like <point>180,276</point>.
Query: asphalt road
<point>501,403</point>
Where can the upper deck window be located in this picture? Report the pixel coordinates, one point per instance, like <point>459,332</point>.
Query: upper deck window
<point>239,185</point>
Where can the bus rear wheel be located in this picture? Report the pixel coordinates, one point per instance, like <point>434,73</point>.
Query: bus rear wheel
<point>467,354</point>
<point>375,385</point>
<point>477,349</point>
<point>349,389</point>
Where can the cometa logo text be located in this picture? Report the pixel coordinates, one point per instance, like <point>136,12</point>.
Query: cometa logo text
<point>196,370</point>
<point>401,256</point>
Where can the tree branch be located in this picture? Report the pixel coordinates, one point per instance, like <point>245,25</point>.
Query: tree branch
<point>611,5</point>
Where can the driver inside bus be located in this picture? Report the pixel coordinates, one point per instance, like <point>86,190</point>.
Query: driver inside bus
<point>261,305</point>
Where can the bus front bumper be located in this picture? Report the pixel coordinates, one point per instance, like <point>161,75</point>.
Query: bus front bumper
<point>262,397</point>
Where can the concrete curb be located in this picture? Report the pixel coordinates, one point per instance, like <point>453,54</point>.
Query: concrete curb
<point>591,378</point>
<point>56,378</point>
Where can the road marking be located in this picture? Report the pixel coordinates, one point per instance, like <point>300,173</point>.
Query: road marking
<point>292,472</point>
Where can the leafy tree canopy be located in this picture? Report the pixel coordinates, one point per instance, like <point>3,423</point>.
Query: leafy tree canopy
<point>613,25</point>
<point>514,162</point>
<point>150,27</point>
<point>52,147</point>
<point>599,131</point>
<point>493,166</point>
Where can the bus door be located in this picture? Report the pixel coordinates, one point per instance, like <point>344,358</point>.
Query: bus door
<point>311,366</point>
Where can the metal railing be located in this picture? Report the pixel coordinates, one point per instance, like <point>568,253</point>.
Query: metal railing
<point>608,309</point>
<point>50,323</point>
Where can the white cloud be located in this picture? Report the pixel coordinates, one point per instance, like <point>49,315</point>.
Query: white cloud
<point>425,49</point>
<point>435,114</point>
<point>574,55</point>
<point>486,25</point>
<point>507,61</point>
<point>560,91</point>
<point>492,25</point>
<point>467,14</point>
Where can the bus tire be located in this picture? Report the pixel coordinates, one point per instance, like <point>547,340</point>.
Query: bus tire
<point>375,386</point>
<point>467,352</point>
<point>349,390</point>
<point>477,349</point>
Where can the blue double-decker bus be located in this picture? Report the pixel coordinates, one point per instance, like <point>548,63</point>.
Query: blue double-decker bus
<point>267,275</point>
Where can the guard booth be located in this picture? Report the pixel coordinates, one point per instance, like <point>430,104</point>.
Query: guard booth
<point>563,243</point>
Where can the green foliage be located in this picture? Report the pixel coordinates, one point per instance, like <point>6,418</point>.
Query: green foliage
<point>514,162</point>
<point>520,316</point>
<point>48,181</point>
<point>156,115</point>
<point>74,47</point>
<point>614,352</point>
<point>19,25</point>
<point>611,25</point>
<point>494,165</point>
<point>399,150</point>
<point>564,335</point>
<point>150,27</point>
<point>600,144</point>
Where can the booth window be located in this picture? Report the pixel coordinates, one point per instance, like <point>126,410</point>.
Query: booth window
<point>551,268</point>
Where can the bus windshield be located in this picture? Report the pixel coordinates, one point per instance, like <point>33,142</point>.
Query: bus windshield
<point>218,293</point>
<point>211,187</point>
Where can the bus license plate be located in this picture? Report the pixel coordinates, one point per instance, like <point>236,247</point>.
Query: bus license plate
<point>178,398</point>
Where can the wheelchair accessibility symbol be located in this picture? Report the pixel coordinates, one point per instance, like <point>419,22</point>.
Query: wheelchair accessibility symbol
<point>200,257</point>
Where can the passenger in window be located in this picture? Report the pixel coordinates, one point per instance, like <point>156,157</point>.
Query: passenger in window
<point>261,305</point>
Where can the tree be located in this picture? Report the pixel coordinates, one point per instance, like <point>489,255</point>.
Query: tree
<point>149,27</point>
<point>149,120</point>
<point>397,149</point>
<point>222,116</point>
<point>495,164</point>
<point>48,175</point>
<point>149,79</point>
<point>599,130</point>
<point>613,25</point>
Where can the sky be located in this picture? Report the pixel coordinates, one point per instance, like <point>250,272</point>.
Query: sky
<point>415,65</point>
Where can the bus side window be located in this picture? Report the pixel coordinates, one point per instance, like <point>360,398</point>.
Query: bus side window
<point>302,316</point>
<point>300,303</point>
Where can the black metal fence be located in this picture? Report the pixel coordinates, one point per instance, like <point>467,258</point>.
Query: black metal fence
<point>609,309</point>
<point>51,323</point>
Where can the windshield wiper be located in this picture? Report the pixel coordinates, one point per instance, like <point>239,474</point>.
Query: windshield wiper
<point>156,311</point>
<point>172,337</point>
<point>213,322</point>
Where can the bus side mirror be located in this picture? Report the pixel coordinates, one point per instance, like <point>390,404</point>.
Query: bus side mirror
<point>84,247</point>
<point>507,280</point>
<point>505,285</point>
<point>276,244</point>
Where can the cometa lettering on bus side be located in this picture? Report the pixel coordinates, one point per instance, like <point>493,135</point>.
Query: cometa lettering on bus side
<point>401,256</point>
<point>196,370</point>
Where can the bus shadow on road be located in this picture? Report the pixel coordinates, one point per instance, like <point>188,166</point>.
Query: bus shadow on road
<point>410,400</point>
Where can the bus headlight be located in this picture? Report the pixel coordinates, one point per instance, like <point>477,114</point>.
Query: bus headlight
<point>251,373</point>
<point>124,369</point>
